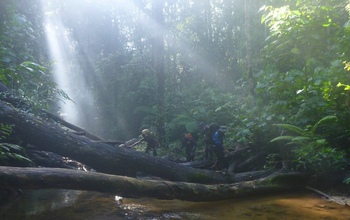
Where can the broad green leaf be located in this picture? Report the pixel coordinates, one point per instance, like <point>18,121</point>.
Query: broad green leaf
<point>191,126</point>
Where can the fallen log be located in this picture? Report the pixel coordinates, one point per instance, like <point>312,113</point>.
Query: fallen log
<point>102,157</point>
<point>201,164</point>
<point>204,164</point>
<point>251,163</point>
<point>49,178</point>
<point>253,175</point>
<point>78,130</point>
<point>330,198</point>
<point>49,159</point>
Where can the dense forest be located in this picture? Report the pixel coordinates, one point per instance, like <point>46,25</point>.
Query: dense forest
<point>274,72</point>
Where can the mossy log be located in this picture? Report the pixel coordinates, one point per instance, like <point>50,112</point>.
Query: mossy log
<point>100,156</point>
<point>49,178</point>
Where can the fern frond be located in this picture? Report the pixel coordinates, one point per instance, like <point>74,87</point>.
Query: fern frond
<point>282,138</point>
<point>324,120</point>
<point>3,148</point>
<point>9,147</point>
<point>301,139</point>
<point>291,128</point>
<point>20,157</point>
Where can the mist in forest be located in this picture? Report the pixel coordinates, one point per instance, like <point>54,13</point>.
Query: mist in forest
<point>68,71</point>
<point>83,37</point>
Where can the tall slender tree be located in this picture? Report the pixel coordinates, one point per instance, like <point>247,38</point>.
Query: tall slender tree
<point>247,28</point>
<point>158,65</point>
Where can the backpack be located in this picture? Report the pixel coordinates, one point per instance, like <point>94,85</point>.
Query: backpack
<point>211,129</point>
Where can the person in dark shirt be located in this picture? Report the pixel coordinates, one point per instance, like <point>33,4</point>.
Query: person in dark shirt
<point>190,146</point>
<point>208,131</point>
<point>151,140</point>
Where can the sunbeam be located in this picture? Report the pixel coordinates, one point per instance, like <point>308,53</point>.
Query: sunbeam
<point>66,70</point>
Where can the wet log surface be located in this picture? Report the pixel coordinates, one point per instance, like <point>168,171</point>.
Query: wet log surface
<point>49,178</point>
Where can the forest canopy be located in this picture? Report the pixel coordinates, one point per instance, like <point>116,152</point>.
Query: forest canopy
<point>275,73</point>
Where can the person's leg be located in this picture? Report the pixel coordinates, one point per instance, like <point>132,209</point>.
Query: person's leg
<point>211,155</point>
<point>216,151</point>
<point>188,155</point>
<point>206,152</point>
<point>154,151</point>
<point>148,148</point>
<point>192,155</point>
<point>221,159</point>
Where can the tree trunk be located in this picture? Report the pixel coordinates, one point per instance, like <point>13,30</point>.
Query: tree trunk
<point>100,156</point>
<point>49,178</point>
<point>247,27</point>
<point>158,64</point>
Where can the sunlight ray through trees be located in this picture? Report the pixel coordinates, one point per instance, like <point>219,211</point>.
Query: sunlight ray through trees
<point>66,69</point>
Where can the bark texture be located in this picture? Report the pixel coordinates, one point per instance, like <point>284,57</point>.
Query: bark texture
<point>48,178</point>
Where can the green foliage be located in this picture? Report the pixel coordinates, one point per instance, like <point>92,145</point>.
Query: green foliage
<point>188,123</point>
<point>309,134</point>
<point>302,68</point>
<point>272,160</point>
<point>347,181</point>
<point>20,70</point>
<point>5,131</point>
<point>288,23</point>
<point>303,80</point>
<point>299,51</point>
<point>320,159</point>
<point>213,104</point>
<point>31,81</point>
<point>11,154</point>
<point>311,150</point>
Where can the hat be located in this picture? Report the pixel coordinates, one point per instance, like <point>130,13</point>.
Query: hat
<point>145,132</point>
<point>223,128</point>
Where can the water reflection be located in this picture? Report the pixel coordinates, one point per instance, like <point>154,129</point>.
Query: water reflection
<point>68,204</point>
<point>41,201</point>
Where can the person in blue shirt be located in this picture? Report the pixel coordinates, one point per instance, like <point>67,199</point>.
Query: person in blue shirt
<point>218,147</point>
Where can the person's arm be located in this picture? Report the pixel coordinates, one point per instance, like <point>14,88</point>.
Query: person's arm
<point>136,143</point>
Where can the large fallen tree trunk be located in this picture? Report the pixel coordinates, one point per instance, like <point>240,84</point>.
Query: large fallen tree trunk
<point>100,156</point>
<point>49,178</point>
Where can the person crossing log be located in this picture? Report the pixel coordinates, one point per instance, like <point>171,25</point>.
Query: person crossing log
<point>102,157</point>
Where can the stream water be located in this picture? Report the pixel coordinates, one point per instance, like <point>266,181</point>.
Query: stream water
<point>69,204</point>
